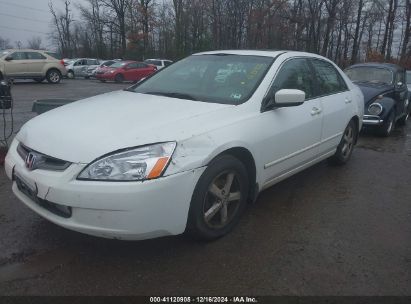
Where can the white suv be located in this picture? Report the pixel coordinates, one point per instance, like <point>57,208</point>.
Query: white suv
<point>31,64</point>
<point>159,63</point>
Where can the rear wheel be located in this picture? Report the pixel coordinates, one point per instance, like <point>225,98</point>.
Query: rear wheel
<point>388,126</point>
<point>219,199</point>
<point>346,146</point>
<point>70,74</point>
<point>119,78</point>
<point>53,76</point>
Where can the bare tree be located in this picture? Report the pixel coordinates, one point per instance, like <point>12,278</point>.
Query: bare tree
<point>34,43</point>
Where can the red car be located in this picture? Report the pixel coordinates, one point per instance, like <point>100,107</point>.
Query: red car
<point>125,71</point>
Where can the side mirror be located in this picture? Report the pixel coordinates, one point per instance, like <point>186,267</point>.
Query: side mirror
<point>8,58</point>
<point>289,98</point>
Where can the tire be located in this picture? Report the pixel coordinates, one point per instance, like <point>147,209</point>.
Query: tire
<point>388,126</point>
<point>119,78</point>
<point>39,80</point>
<point>102,80</point>
<point>217,203</point>
<point>346,145</point>
<point>403,120</point>
<point>70,74</point>
<point>53,76</point>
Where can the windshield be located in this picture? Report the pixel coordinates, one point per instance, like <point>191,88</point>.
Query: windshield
<point>370,74</point>
<point>118,65</point>
<point>227,79</point>
<point>409,77</point>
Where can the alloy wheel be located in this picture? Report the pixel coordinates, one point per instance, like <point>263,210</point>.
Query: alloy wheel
<point>222,201</point>
<point>348,142</point>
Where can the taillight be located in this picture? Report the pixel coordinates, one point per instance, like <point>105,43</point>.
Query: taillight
<point>62,62</point>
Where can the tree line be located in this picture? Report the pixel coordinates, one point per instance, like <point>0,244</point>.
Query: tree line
<point>346,31</point>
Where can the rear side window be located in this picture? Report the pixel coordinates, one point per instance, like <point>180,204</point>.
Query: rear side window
<point>35,56</point>
<point>328,78</point>
<point>92,62</point>
<point>167,63</point>
<point>295,74</point>
<point>54,55</point>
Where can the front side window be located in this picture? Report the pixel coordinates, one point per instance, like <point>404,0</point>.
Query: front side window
<point>18,56</point>
<point>35,56</point>
<point>220,78</point>
<point>294,74</point>
<point>328,78</point>
<point>400,78</point>
<point>372,75</point>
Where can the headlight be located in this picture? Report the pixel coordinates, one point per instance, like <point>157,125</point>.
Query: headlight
<point>147,162</point>
<point>375,109</point>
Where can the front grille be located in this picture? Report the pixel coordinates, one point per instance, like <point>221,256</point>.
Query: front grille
<point>43,161</point>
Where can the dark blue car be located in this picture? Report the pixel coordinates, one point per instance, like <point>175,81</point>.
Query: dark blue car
<point>385,92</point>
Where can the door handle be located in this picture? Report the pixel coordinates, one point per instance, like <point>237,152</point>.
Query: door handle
<point>315,111</point>
<point>348,100</point>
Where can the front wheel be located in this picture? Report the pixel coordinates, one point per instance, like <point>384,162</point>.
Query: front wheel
<point>119,78</point>
<point>388,126</point>
<point>53,76</point>
<point>346,146</point>
<point>219,199</point>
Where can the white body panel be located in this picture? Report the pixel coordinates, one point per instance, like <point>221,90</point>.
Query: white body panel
<point>282,142</point>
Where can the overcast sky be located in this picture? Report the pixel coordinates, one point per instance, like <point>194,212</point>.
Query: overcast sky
<point>20,20</point>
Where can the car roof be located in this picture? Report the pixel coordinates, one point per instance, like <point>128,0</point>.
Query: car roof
<point>157,59</point>
<point>391,66</point>
<point>265,53</point>
<point>27,50</point>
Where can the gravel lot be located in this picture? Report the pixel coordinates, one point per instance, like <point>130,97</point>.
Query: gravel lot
<point>326,231</point>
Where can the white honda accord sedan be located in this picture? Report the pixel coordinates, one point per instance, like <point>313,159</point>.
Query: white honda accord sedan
<point>187,148</point>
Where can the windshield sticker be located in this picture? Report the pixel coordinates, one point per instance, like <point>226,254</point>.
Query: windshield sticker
<point>255,71</point>
<point>236,95</point>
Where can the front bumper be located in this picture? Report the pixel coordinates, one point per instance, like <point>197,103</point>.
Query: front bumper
<point>121,210</point>
<point>372,120</point>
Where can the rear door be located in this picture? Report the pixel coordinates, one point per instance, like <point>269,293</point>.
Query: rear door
<point>336,102</point>
<point>145,70</point>
<point>35,63</point>
<point>17,66</point>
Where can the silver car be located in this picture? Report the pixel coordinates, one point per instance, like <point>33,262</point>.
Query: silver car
<point>79,67</point>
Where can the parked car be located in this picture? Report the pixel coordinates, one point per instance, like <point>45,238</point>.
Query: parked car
<point>159,63</point>
<point>125,71</point>
<point>31,64</point>
<point>385,92</point>
<point>91,71</point>
<point>79,67</point>
<point>181,151</point>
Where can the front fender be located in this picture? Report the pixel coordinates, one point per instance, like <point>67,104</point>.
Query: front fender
<point>198,151</point>
<point>387,105</point>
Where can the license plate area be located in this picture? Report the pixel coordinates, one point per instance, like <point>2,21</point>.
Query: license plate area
<point>26,188</point>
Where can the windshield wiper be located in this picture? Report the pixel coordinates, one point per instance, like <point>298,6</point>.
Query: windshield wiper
<point>173,95</point>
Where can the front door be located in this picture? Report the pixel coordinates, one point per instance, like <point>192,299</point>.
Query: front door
<point>291,135</point>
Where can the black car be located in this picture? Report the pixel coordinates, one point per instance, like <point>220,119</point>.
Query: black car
<point>385,94</point>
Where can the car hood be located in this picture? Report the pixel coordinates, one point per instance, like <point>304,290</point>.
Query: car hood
<point>370,92</point>
<point>84,130</point>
